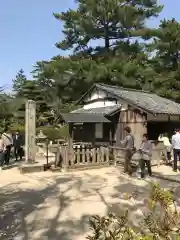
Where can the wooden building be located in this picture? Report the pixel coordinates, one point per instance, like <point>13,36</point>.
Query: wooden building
<point>106,110</point>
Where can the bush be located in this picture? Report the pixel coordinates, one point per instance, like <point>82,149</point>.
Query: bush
<point>54,133</point>
<point>13,128</point>
<point>51,132</point>
<point>162,221</point>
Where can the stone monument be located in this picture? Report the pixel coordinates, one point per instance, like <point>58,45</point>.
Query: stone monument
<point>30,131</point>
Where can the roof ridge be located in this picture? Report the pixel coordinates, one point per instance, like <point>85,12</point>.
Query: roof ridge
<point>119,87</point>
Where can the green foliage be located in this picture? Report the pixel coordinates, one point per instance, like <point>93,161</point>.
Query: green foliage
<point>18,82</point>
<point>166,61</point>
<point>50,131</point>
<point>16,127</point>
<point>31,90</point>
<point>161,221</point>
<point>7,108</point>
<point>117,60</point>
<point>108,20</point>
<point>54,133</point>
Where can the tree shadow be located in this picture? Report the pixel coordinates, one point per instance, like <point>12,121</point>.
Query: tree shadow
<point>61,206</point>
<point>36,214</point>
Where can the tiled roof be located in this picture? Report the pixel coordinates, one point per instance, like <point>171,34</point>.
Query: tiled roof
<point>100,110</point>
<point>144,100</point>
<point>84,118</point>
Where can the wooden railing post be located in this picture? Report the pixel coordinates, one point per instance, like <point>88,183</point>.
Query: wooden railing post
<point>65,161</point>
<point>68,155</point>
<point>57,158</point>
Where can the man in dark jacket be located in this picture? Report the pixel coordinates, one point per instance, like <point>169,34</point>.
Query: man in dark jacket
<point>17,143</point>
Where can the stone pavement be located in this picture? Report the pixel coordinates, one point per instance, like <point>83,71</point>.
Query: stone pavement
<point>166,172</point>
<point>50,206</point>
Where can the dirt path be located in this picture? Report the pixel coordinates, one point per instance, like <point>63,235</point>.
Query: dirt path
<point>57,206</point>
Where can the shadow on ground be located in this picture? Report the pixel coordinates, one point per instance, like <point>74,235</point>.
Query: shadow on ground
<point>61,206</point>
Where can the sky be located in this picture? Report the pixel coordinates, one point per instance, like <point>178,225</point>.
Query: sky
<point>28,32</point>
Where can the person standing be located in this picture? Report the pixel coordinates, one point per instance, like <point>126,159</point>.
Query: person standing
<point>145,151</point>
<point>8,141</point>
<point>17,144</point>
<point>176,148</point>
<point>128,142</point>
<point>164,138</point>
<point>2,150</point>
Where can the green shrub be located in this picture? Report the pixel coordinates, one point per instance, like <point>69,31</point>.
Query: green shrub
<point>51,132</point>
<point>160,222</point>
<point>13,128</point>
<point>64,131</point>
<point>1,130</point>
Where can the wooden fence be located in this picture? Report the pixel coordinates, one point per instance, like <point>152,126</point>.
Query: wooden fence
<point>86,155</point>
<point>82,156</point>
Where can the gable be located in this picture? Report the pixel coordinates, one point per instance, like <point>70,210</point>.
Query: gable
<point>97,98</point>
<point>95,94</point>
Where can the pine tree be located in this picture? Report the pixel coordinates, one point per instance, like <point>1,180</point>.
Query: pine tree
<point>167,60</point>
<point>18,82</point>
<point>109,21</point>
<point>114,57</point>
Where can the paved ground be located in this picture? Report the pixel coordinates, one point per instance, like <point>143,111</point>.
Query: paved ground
<point>167,172</point>
<point>57,206</point>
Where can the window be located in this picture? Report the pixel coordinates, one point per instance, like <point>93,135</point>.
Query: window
<point>99,130</point>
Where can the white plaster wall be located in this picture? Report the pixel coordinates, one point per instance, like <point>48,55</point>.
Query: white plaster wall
<point>99,104</point>
<point>99,96</point>
<point>96,95</point>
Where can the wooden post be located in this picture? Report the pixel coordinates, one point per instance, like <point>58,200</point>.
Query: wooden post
<point>110,136</point>
<point>70,144</point>
<point>30,131</point>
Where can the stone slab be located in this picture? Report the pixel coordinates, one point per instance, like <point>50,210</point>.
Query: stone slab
<point>39,166</point>
<point>166,173</point>
<point>34,167</point>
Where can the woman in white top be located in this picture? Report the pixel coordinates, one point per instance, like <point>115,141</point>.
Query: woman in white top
<point>164,138</point>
